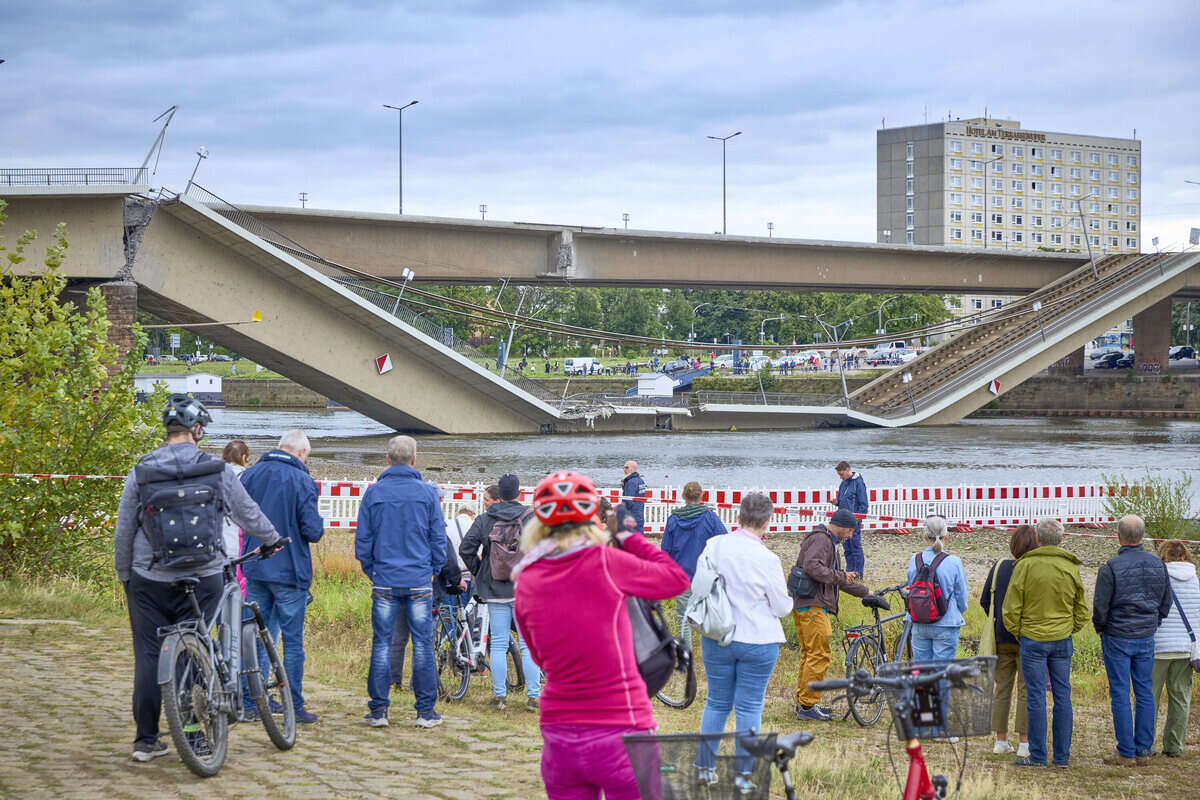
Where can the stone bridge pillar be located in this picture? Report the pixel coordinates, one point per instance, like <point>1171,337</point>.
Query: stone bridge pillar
<point>1152,338</point>
<point>1070,364</point>
<point>121,299</point>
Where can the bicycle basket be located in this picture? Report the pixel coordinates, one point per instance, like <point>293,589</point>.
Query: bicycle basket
<point>942,710</point>
<point>681,766</point>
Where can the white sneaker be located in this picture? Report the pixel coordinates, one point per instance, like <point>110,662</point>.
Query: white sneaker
<point>1003,748</point>
<point>1023,750</point>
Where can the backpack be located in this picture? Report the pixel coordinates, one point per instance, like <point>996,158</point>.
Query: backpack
<point>709,609</point>
<point>926,601</point>
<point>504,546</point>
<point>182,511</point>
<point>658,652</point>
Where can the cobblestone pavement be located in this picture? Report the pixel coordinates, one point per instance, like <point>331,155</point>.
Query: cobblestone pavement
<point>65,695</point>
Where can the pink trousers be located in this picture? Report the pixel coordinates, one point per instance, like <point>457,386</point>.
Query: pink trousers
<point>579,762</point>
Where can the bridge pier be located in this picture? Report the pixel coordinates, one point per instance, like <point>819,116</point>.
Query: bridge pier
<point>1152,338</point>
<point>120,297</point>
<point>1070,364</point>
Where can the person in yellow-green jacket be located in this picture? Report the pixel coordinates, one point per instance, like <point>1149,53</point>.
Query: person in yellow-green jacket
<point>1043,607</point>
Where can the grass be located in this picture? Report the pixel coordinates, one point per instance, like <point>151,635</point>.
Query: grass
<point>224,369</point>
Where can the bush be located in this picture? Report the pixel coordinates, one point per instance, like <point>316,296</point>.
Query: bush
<point>61,412</point>
<point>1165,503</point>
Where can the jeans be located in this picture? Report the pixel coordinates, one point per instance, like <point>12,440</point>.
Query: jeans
<point>400,635</point>
<point>282,610</point>
<point>1176,675</point>
<point>682,624</point>
<point>1131,661</point>
<point>153,605</point>
<point>500,617</point>
<point>934,641</point>
<point>853,550</point>
<point>416,605</point>
<point>581,761</point>
<point>737,681</point>
<point>1036,658</point>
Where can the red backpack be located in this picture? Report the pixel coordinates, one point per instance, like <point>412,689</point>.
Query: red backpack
<point>926,602</point>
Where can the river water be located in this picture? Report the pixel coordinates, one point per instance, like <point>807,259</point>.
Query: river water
<point>976,452</point>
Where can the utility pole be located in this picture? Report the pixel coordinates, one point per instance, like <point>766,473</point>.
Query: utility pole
<point>304,199</point>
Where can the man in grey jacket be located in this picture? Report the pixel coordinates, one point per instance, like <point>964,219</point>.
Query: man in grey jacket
<point>153,601</point>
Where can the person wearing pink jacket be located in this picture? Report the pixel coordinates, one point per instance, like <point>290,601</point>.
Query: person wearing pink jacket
<point>593,693</point>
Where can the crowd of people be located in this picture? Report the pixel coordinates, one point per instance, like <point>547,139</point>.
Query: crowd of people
<point>581,673</point>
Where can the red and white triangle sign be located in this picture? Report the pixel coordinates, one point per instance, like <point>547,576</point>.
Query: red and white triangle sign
<point>383,363</point>
<point>994,387</point>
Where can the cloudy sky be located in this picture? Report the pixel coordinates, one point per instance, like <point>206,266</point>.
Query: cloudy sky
<point>579,112</point>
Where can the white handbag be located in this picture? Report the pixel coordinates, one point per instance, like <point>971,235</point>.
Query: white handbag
<point>709,609</point>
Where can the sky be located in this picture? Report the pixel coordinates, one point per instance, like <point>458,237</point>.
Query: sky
<point>580,112</point>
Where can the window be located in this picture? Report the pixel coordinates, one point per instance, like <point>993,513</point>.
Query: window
<point>977,235</point>
<point>1056,222</point>
<point>1018,219</point>
<point>1131,194</point>
<point>1093,208</point>
<point>1018,202</point>
<point>1056,188</point>
<point>1035,238</point>
<point>1075,190</point>
<point>1131,162</point>
<point>997,303</point>
<point>1093,158</point>
<point>1056,205</point>
<point>1114,176</point>
<point>908,186</point>
<point>1094,224</point>
<point>977,200</point>
<point>1113,227</point>
<point>1018,237</point>
<point>956,198</point>
<point>997,149</point>
<point>1018,151</point>
<point>997,184</point>
<point>1093,191</point>
<point>1114,241</point>
<point>1131,177</point>
<point>1076,156</point>
<point>955,145</point>
<point>1114,208</point>
<point>908,220</point>
<point>1114,193</point>
<point>1035,169</point>
<point>956,181</point>
<point>1075,239</point>
<point>1056,155</point>
<point>976,165</point>
<point>997,219</point>
<point>998,236</point>
<point>1076,173</point>
<point>1131,211</point>
<point>1056,238</point>
<point>1131,226</point>
<point>956,234</point>
<point>1095,241</point>
<point>1037,204</point>
<point>977,217</point>
<point>1113,160</point>
<point>977,304</point>
<point>1018,169</point>
<point>1036,221</point>
<point>908,237</point>
<point>1035,186</point>
<point>908,151</point>
<point>1018,186</point>
<point>1035,152</point>
<point>976,183</point>
<point>997,202</point>
<point>956,163</point>
<point>977,148</point>
<point>997,166</point>
<point>956,216</point>
<point>1093,174</point>
<point>1131,244</point>
<point>909,203</point>
<point>909,169</point>
<point>1074,206</point>
<point>1056,172</point>
<point>1075,224</point>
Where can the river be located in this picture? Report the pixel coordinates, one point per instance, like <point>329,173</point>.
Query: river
<point>983,451</point>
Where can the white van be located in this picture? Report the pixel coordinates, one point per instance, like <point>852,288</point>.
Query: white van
<point>579,366</point>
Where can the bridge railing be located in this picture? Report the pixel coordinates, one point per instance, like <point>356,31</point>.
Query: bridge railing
<point>71,176</point>
<point>766,398</point>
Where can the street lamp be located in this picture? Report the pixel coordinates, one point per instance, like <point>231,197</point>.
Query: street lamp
<point>770,230</point>
<point>692,335</point>
<point>400,148</point>
<point>304,199</point>
<point>723,140</point>
<point>407,275</point>
<point>907,379</point>
<point>483,210</point>
<point>879,331</point>
<point>1037,308</point>
<point>762,327</point>
<point>625,219</point>
<point>202,154</point>
<point>987,209</point>
<point>890,320</point>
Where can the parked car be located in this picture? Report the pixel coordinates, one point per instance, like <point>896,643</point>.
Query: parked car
<point>1181,351</point>
<point>579,366</point>
<point>757,362</point>
<point>1099,352</point>
<point>221,358</point>
<point>724,361</point>
<point>1114,360</point>
<point>678,365</point>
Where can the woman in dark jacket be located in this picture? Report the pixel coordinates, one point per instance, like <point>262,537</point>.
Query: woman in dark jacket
<point>1008,653</point>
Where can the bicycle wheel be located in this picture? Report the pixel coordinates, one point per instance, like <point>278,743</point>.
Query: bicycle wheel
<point>199,729</point>
<point>274,696</point>
<point>680,691</point>
<point>865,654</point>
<point>514,673</point>
<point>460,667</point>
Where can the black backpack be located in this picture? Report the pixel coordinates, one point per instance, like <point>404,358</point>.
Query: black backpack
<point>658,652</point>
<point>504,546</point>
<point>182,511</point>
<point>926,601</point>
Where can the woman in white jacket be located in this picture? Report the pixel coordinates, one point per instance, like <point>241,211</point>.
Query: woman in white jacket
<point>1173,645</point>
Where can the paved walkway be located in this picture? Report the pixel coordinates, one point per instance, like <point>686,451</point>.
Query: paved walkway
<point>64,702</point>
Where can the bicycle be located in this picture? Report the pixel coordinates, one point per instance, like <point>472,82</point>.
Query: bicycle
<point>943,700</point>
<point>460,648</point>
<point>866,648</point>
<point>200,675</point>
<point>679,766</point>
<point>680,691</point>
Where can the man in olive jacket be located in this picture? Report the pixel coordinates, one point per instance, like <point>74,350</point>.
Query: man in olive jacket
<point>1043,607</point>
<point>819,560</point>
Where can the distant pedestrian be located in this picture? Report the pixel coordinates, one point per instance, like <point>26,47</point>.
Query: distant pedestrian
<point>281,485</point>
<point>633,490</point>
<point>687,531</point>
<point>490,549</point>
<point>400,542</point>
<point>1043,607</point>
<point>237,455</point>
<point>1007,650</point>
<point>939,639</point>
<point>1133,596</point>
<point>814,599</point>
<point>852,496</point>
<point>1173,645</point>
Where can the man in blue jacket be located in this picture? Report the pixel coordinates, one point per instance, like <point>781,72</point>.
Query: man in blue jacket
<point>632,485</point>
<point>852,496</point>
<point>401,544</point>
<point>287,494</point>
<point>687,531</point>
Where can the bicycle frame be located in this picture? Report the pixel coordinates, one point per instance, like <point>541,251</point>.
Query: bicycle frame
<point>918,786</point>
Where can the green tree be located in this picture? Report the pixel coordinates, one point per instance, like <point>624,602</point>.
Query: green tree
<point>61,412</point>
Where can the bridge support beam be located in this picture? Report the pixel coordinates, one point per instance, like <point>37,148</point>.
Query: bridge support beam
<point>1152,338</point>
<point>1070,364</point>
<point>120,297</point>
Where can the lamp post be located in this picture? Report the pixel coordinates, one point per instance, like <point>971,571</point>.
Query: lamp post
<point>483,210</point>
<point>407,275</point>
<point>723,140</point>
<point>304,199</point>
<point>1037,310</point>
<point>625,219</point>
<point>890,320</point>
<point>880,330</point>
<point>762,327</point>
<point>987,209</point>
<point>692,334</point>
<point>770,230</point>
<point>907,379</point>
<point>201,154</point>
<point>400,149</point>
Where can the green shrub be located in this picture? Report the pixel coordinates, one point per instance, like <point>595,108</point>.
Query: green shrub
<point>1165,503</point>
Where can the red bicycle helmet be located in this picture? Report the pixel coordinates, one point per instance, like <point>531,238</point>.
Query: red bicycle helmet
<point>563,497</point>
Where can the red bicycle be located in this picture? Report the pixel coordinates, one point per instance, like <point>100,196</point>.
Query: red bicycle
<point>943,700</point>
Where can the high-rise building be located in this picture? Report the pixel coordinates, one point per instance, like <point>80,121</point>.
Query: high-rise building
<point>990,183</point>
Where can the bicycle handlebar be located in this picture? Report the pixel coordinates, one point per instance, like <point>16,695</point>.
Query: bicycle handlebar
<point>864,680</point>
<point>262,551</point>
<point>898,588</point>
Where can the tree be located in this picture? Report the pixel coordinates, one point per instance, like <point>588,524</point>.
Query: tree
<point>60,412</point>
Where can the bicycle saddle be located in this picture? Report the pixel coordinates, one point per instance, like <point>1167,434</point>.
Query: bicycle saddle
<point>187,583</point>
<point>875,601</point>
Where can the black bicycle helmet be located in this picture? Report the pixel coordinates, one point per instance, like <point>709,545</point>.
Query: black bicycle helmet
<point>185,411</point>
